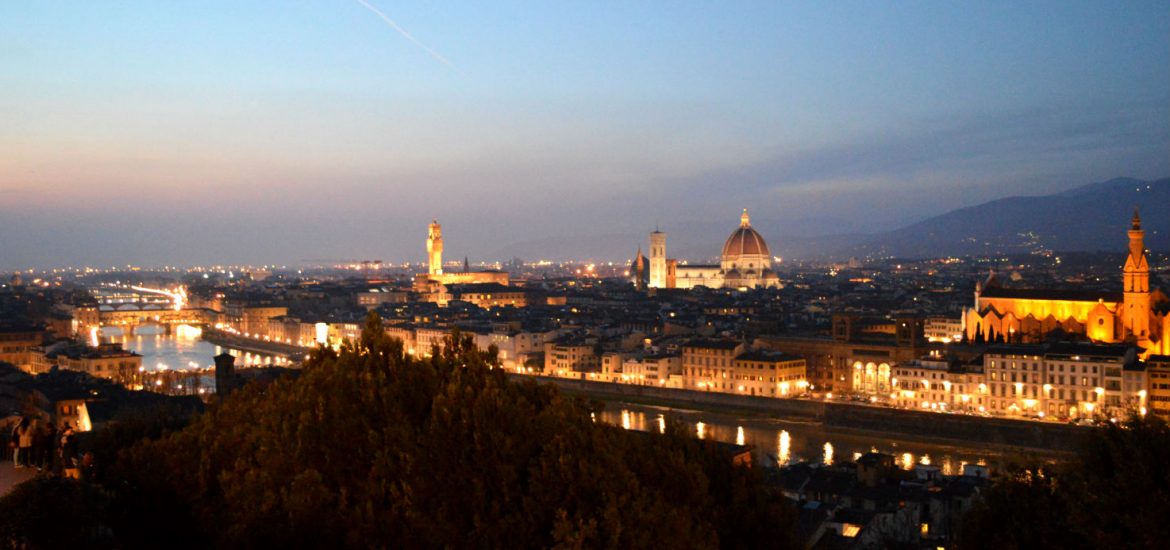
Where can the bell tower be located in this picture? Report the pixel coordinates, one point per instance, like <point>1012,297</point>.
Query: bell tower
<point>435,249</point>
<point>657,259</point>
<point>1135,314</point>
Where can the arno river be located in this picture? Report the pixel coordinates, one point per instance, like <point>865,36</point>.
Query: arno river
<point>182,350</point>
<point>783,441</point>
<point>791,441</point>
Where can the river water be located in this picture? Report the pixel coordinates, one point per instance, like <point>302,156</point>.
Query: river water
<point>784,442</point>
<point>183,349</point>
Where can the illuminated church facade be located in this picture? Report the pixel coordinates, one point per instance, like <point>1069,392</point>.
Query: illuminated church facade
<point>1136,314</point>
<point>745,263</point>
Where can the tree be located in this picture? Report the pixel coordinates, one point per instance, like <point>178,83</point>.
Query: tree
<point>373,447</point>
<point>1114,494</point>
<point>50,512</point>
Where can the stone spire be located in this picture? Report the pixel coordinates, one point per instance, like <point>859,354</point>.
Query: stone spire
<point>1135,313</point>
<point>744,220</point>
<point>640,271</point>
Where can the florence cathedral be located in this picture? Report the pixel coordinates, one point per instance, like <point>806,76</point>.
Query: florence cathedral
<point>745,263</point>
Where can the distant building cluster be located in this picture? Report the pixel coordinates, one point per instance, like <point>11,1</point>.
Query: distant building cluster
<point>885,332</point>
<point>875,502</point>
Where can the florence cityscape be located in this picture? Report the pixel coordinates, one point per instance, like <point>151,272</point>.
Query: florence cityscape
<point>650,275</point>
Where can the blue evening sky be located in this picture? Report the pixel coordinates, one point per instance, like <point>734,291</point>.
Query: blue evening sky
<point>265,131</point>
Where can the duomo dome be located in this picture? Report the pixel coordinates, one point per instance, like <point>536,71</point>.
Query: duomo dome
<point>744,242</point>
<point>745,255</point>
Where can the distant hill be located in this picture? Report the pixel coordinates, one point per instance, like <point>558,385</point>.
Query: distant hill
<point>1090,218</point>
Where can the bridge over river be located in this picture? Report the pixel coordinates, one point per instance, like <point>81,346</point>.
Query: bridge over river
<point>128,307</point>
<point>128,317</point>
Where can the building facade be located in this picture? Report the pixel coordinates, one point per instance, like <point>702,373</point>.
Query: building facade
<point>1158,385</point>
<point>17,344</point>
<point>932,384</point>
<point>1065,380</point>
<point>728,367</point>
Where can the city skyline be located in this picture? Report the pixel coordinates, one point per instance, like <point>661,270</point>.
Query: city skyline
<point>267,133</point>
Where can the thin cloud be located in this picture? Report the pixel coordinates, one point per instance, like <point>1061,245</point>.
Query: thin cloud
<point>438,56</point>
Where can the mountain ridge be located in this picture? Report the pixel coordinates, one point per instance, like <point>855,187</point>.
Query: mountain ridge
<point>1087,218</point>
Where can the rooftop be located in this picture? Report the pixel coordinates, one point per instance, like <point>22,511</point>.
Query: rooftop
<point>1069,295</point>
<point>712,344</point>
<point>765,355</point>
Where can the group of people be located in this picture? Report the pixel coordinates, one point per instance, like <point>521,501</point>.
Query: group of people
<point>38,444</point>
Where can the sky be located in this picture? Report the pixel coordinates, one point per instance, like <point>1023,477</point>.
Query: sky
<point>293,132</point>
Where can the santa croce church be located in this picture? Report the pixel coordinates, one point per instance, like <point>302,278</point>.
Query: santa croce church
<point>1136,314</point>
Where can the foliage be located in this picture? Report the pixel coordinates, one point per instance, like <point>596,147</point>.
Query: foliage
<point>130,426</point>
<point>51,512</point>
<point>1115,494</point>
<point>373,447</point>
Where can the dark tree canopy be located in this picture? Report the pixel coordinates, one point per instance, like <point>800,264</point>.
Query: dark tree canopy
<point>373,447</point>
<point>1115,494</point>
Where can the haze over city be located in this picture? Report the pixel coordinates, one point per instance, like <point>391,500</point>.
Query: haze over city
<point>201,132</point>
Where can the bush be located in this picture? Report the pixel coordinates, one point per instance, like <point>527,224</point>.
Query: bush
<point>1114,494</point>
<point>51,512</point>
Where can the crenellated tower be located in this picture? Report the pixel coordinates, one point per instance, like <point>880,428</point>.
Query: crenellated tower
<point>435,248</point>
<point>1135,314</point>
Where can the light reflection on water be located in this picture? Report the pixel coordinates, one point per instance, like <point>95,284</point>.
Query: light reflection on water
<point>182,350</point>
<point>792,441</point>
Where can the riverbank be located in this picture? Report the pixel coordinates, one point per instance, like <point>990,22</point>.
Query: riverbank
<point>235,341</point>
<point>1008,435</point>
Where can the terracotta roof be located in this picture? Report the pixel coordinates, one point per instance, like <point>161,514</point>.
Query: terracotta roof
<point>711,344</point>
<point>1050,294</point>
